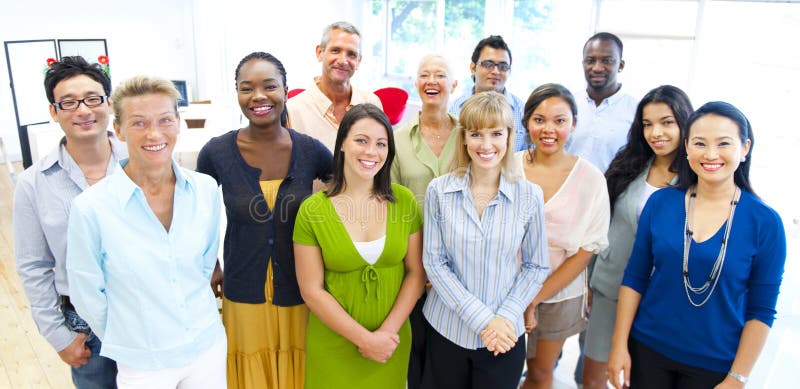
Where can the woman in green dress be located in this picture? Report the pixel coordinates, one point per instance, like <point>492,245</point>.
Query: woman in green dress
<point>358,248</point>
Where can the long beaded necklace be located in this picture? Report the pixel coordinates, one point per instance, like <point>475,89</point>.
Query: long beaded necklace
<point>713,277</point>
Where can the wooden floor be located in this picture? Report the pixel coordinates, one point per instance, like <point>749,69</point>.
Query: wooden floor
<point>26,359</point>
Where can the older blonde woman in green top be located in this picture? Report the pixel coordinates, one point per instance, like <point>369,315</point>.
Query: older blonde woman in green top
<point>425,144</point>
<point>425,149</point>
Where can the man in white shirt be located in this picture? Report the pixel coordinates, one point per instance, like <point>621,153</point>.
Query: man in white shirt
<point>78,94</point>
<point>318,110</point>
<point>605,111</point>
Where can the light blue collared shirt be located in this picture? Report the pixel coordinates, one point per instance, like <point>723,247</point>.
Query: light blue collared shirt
<point>601,130</point>
<point>517,107</point>
<point>42,200</point>
<point>473,262</point>
<point>144,290</point>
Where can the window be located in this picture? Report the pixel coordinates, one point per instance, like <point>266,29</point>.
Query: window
<point>543,49</point>
<point>411,29</point>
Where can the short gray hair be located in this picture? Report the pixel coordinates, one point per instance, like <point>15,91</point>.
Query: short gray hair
<point>342,26</point>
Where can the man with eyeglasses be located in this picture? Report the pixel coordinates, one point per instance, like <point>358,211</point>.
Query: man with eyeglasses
<point>605,111</point>
<point>78,94</point>
<point>491,63</point>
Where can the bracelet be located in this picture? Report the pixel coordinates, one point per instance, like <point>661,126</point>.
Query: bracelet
<point>738,376</point>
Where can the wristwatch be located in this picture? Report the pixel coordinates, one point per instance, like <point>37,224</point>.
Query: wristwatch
<point>738,376</point>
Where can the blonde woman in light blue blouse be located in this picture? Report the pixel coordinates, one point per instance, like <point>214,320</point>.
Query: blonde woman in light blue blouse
<point>141,247</point>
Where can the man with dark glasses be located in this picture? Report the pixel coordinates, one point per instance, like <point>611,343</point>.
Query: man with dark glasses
<point>490,66</point>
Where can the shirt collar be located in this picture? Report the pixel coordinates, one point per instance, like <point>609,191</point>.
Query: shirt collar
<point>324,104</point>
<point>124,188</point>
<point>613,99</point>
<point>471,91</point>
<point>61,156</point>
<point>57,155</point>
<point>414,123</point>
<point>506,93</point>
<point>461,184</point>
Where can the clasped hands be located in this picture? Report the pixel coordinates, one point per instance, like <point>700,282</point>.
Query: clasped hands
<point>499,336</point>
<point>379,345</point>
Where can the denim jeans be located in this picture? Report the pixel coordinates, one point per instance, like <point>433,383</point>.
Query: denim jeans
<point>100,372</point>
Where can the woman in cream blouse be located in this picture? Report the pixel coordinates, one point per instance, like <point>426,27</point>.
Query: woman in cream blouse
<point>576,221</point>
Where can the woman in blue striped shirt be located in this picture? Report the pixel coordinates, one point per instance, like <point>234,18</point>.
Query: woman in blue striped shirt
<point>480,220</point>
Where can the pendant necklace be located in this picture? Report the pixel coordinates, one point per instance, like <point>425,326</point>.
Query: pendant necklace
<point>716,270</point>
<point>429,129</point>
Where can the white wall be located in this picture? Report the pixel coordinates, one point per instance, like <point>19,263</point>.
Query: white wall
<point>195,40</point>
<point>144,37</point>
<point>226,32</point>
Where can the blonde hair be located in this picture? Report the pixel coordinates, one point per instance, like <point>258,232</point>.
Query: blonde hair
<point>433,56</point>
<point>485,110</point>
<point>140,86</point>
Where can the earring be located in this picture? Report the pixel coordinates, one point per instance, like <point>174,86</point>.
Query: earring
<point>687,157</point>
<point>744,159</point>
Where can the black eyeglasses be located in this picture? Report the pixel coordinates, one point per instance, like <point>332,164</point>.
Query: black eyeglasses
<point>71,105</point>
<point>489,65</point>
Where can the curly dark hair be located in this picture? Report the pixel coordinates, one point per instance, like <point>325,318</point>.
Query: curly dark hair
<point>632,159</point>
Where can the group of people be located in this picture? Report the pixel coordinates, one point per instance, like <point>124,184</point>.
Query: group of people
<point>429,252</point>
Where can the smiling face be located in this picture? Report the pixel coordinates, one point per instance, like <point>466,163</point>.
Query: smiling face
<point>149,125</point>
<point>493,78</point>
<point>661,130</point>
<point>550,125</point>
<point>486,148</point>
<point>261,92</point>
<point>601,64</point>
<point>434,82</point>
<point>714,149</point>
<point>365,149</point>
<point>340,57</point>
<point>82,123</point>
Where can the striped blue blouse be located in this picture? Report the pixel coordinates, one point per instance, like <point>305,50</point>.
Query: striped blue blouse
<point>474,263</point>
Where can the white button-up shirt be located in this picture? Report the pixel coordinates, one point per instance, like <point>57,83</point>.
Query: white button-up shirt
<point>602,129</point>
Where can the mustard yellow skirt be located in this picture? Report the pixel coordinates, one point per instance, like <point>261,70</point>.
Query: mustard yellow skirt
<point>266,343</point>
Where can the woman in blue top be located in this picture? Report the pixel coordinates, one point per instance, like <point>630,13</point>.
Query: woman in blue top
<point>648,161</point>
<point>265,171</point>
<point>700,289</point>
<point>485,253</point>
